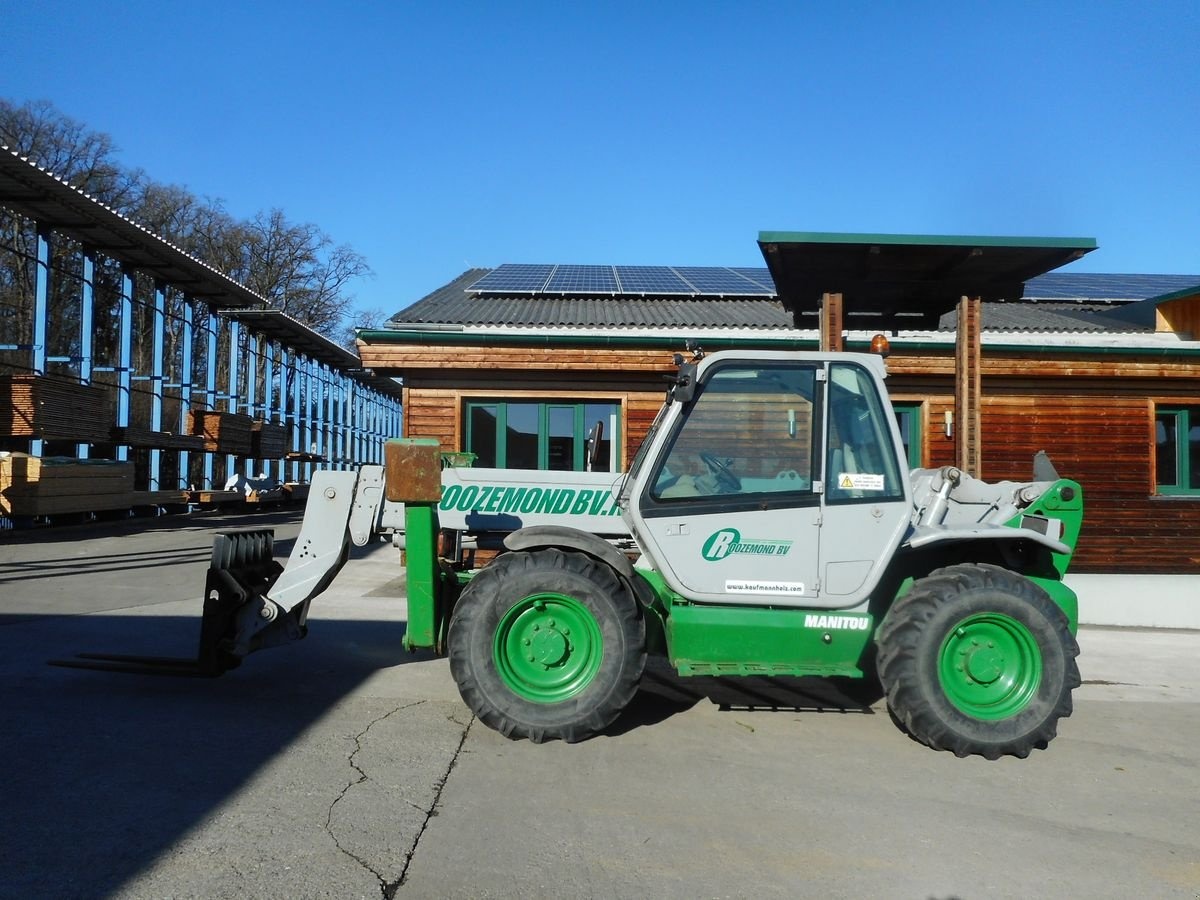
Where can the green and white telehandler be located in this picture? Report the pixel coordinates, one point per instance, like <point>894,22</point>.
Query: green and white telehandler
<point>768,525</point>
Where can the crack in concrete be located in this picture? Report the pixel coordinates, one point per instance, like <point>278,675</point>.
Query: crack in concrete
<point>390,890</point>
<point>362,776</point>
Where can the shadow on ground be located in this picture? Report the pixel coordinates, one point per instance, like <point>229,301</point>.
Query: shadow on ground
<point>104,772</point>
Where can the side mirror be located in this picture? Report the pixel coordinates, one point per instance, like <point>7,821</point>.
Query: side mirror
<point>684,387</point>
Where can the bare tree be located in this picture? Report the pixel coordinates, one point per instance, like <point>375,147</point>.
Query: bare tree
<point>83,158</point>
<point>296,267</point>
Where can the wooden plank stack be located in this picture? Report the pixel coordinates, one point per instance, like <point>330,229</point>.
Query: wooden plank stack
<point>39,406</point>
<point>223,432</point>
<point>47,486</point>
<point>269,441</point>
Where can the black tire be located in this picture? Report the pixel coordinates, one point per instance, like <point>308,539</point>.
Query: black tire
<point>569,698</point>
<point>941,629</point>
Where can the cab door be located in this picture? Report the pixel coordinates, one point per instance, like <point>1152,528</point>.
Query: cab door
<point>731,512</point>
<point>866,502</point>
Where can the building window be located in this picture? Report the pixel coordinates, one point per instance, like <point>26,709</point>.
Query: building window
<point>1177,449</point>
<point>908,417</point>
<point>554,435</point>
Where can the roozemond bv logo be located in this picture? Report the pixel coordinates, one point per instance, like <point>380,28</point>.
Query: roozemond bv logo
<point>729,542</point>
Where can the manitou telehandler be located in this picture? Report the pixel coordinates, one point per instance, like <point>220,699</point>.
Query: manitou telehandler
<point>768,525</point>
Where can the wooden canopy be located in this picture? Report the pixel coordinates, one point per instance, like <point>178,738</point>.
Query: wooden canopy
<point>891,281</point>
<point>885,282</point>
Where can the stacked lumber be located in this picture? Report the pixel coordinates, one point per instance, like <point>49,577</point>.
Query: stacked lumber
<point>39,406</point>
<point>47,486</point>
<point>132,436</point>
<point>223,432</point>
<point>269,441</point>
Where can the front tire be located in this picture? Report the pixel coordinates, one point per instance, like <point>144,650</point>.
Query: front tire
<point>547,645</point>
<point>976,659</point>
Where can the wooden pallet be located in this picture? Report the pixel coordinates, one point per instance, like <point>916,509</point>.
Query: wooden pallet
<point>37,486</point>
<point>41,406</point>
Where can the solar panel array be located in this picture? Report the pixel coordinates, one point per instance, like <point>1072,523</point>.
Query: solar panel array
<point>693,281</point>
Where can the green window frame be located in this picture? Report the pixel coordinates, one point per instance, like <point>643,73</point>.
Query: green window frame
<point>909,418</point>
<point>1177,450</point>
<point>543,434</point>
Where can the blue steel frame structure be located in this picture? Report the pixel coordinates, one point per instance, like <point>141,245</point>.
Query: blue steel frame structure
<point>185,337</point>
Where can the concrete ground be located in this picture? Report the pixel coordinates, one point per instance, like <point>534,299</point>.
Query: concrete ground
<point>342,767</point>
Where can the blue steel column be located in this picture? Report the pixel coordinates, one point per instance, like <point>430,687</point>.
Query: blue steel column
<point>304,411</point>
<point>185,386</point>
<point>125,358</point>
<point>41,314</point>
<point>337,447</point>
<point>210,387</point>
<point>318,409</point>
<point>85,331</point>
<point>251,404</point>
<point>157,379</point>
<point>269,406</point>
<point>295,372</point>
<point>235,353</point>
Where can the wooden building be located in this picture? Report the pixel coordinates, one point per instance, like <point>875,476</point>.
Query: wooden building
<point>1100,371</point>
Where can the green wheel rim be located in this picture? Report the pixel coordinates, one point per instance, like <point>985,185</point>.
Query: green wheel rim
<point>990,666</point>
<point>548,648</point>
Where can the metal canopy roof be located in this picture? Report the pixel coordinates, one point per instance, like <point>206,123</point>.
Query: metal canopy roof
<point>38,194</point>
<point>899,280</point>
<point>278,324</point>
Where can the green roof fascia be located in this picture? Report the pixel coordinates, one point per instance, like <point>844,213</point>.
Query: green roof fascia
<point>441,338</point>
<point>930,240</point>
<point>899,345</point>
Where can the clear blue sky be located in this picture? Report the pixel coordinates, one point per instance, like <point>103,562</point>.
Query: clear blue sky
<point>437,136</point>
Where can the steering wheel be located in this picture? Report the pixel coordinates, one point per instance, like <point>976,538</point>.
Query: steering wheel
<point>726,480</point>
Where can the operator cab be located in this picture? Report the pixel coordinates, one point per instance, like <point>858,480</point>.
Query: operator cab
<point>777,482</point>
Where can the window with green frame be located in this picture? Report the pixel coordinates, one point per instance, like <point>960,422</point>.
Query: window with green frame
<point>1177,449</point>
<point>549,434</point>
<point>908,417</point>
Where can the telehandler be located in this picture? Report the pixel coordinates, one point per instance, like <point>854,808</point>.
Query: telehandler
<point>768,525</point>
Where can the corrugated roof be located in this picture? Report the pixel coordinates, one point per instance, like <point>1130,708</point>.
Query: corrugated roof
<point>452,304</point>
<point>1054,302</point>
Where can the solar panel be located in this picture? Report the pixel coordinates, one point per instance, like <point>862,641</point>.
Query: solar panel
<point>515,278</point>
<point>651,280</point>
<point>720,281</point>
<point>760,275</point>
<point>582,280</point>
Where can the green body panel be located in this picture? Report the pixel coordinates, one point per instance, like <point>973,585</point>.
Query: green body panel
<point>741,640</point>
<point>748,640</point>
<point>1063,501</point>
<point>423,574</point>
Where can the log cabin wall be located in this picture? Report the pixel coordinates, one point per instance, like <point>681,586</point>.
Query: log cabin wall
<point>1094,415</point>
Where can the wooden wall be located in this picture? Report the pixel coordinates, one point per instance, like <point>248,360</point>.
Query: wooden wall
<point>1092,413</point>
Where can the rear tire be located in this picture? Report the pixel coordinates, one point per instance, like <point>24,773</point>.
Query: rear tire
<point>976,659</point>
<point>547,645</point>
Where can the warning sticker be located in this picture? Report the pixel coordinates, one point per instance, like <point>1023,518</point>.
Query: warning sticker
<point>860,481</point>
